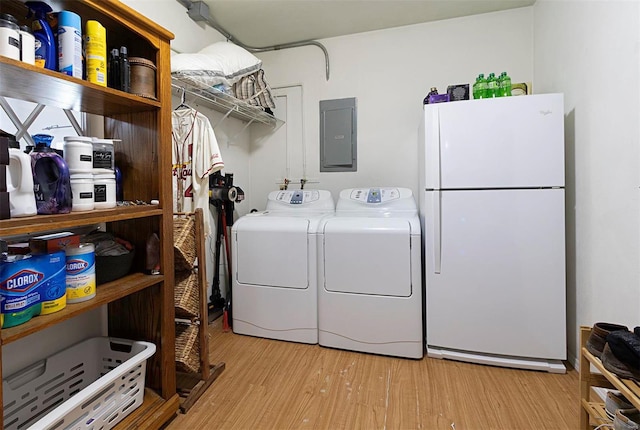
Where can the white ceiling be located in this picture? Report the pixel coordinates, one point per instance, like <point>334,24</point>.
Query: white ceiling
<point>262,23</point>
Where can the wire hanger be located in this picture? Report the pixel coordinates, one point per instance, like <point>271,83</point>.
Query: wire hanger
<point>183,104</point>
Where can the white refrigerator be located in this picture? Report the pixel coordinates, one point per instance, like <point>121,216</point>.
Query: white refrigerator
<point>493,220</point>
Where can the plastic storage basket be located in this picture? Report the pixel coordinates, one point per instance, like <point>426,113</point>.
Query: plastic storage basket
<point>91,385</point>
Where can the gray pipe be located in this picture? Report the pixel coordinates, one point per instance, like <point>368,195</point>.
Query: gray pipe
<point>199,11</point>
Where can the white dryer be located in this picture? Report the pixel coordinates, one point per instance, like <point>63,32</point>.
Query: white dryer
<point>369,264</point>
<point>274,266</point>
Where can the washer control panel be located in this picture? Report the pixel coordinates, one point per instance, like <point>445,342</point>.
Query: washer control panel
<point>375,195</point>
<point>297,197</point>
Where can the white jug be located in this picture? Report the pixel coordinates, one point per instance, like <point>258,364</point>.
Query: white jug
<point>22,201</point>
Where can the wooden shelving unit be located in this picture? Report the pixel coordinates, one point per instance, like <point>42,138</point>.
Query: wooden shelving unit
<point>140,306</point>
<point>592,412</point>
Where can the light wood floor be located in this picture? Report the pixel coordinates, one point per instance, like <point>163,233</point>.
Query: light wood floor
<point>270,384</point>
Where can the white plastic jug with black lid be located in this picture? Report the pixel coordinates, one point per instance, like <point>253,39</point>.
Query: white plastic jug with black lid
<point>22,201</point>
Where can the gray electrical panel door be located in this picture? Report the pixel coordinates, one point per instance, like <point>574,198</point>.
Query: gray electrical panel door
<point>338,135</point>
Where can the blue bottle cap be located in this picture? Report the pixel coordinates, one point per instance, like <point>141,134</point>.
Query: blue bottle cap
<point>42,139</point>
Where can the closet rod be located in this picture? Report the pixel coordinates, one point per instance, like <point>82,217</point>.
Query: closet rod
<point>199,11</point>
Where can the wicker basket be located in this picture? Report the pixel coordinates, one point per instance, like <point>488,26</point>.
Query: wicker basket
<point>187,294</point>
<point>187,348</point>
<point>184,237</point>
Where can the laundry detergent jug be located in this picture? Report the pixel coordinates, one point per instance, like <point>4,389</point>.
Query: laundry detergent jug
<point>22,201</point>
<point>51,179</point>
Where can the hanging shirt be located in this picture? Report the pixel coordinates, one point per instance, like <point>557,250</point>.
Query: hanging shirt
<point>195,156</point>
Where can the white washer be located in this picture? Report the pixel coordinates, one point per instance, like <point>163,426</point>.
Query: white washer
<point>274,292</point>
<point>369,265</point>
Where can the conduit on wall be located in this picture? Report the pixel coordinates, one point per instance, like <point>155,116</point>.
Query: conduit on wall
<point>199,11</point>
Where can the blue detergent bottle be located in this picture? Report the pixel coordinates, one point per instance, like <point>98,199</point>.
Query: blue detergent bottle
<point>44,41</point>
<point>51,178</point>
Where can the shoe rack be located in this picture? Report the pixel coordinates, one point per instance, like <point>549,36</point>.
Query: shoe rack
<point>592,412</point>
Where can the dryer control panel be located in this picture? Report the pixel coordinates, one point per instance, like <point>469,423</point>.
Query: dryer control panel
<point>297,197</point>
<point>377,201</point>
<point>300,201</point>
<point>375,195</point>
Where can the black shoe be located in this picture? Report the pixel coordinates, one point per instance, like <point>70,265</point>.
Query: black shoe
<point>625,348</point>
<point>598,336</point>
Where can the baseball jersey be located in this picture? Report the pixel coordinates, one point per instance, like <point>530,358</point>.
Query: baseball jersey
<point>195,156</point>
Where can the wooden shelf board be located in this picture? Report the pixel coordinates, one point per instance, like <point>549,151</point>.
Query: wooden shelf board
<point>43,223</point>
<point>152,414</point>
<point>35,84</point>
<point>629,388</point>
<point>596,412</point>
<point>105,293</point>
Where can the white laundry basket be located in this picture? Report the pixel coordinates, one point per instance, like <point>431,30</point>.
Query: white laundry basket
<point>91,385</point>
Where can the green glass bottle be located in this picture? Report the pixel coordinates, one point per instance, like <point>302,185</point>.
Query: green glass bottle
<point>480,87</point>
<point>499,85</point>
<point>492,86</point>
<point>505,85</point>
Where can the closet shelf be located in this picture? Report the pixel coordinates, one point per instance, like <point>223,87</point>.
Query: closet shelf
<point>229,105</point>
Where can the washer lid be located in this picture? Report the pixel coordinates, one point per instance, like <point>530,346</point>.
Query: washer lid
<point>368,256</point>
<point>272,251</point>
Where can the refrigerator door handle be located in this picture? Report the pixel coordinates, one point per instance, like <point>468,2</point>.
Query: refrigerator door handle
<point>433,150</point>
<point>437,231</point>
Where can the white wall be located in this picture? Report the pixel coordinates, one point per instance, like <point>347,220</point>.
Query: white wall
<point>190,36</point>
<point>589,51</point>
<point>390,72</point>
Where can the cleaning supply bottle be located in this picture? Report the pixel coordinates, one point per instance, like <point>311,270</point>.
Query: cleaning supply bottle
<point>96,49</point>
<point>44,41</point>
<point>69,44</point>
<point>432,92</point>
<point>51,179</point>
<point>22,201</point>
<point>505,85</point>
<point>480,87</point>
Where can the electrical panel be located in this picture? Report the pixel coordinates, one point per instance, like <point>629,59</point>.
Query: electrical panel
<point>338,132</point>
